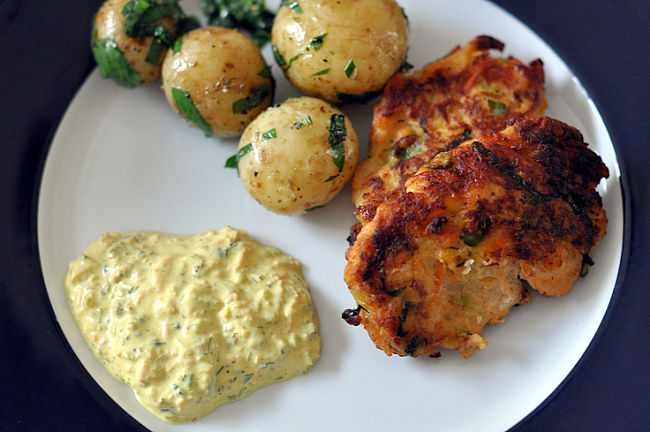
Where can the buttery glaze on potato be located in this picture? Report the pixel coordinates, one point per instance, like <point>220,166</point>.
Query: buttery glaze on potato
<point>109,23</point>
<point>328,48</point>
<point>224,74</point>
<point>296,157</point>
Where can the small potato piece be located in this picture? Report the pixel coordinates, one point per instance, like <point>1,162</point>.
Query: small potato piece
<point>108,30</point>
<point>340,50</point>
<point>223,74</point>
<point>298,155</point>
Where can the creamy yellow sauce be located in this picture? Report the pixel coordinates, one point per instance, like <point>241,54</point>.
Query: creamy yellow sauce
<point>192,322</point>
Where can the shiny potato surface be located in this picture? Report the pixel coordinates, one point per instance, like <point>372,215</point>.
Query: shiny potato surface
<point>109,25</point>
<point>216,77</point>
<point>341,51</point>
<point>298,155</point>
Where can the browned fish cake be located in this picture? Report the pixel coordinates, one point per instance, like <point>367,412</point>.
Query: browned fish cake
<point>476,227</point>
<point>463,95</point>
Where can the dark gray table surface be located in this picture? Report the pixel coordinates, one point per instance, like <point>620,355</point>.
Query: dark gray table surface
<point>44,59</point>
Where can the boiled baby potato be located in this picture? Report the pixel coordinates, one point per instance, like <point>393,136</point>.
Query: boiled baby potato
<point>217,79</point>
<point>297,156</point>
<point>132,60</point>
<point>340,50</point>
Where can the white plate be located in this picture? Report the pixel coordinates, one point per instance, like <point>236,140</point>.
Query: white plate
<point>122,160</point>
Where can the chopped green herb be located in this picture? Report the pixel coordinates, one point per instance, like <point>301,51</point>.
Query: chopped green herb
<point>291,60</point>
<point>423,124</point>
<point>186,24</point>
<point>349,69</point>
<point>254,98</point>
<point>464,332</point>
<point>462,300</point>
<point>140,19</point>
<point>278,57</point>
<point>323,72</point>
<point>248,14</point>
<point>300,125</point>
<point>188,380</point>
<point>331,178</point>
<point>208,345</point>
<point>472,239</point>
<point>497,107</point>
<point>265,73</point>
<point>317,42</point>
<point>411,150</point>
<point>269,134</point>
<point>162,39</point>
<point>140,16</point>
<point>314,208</point>
<point>294,6</point>
<point>405,66</point>
<point>442,160</point>
<point>406,308</point>
<point>233,160</point>
<point>363,98</point>
<point>189,111</point>
<point>112,63</point>
<point>336,139</point>
<point>177,45</point>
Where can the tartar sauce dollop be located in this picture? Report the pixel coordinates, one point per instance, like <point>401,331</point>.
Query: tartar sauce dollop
<point>191,322</point>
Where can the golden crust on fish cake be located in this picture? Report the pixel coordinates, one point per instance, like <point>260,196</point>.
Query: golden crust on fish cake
<point>463,95</point>
<point>476,227</point>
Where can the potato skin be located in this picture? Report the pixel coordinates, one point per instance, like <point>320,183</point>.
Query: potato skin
<point>109,23</point>
<point>372,33</point>
<point>217,67</point>
<point>295,171</point>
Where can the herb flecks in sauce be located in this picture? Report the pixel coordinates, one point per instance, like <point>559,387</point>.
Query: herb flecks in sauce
<point>205,327</point>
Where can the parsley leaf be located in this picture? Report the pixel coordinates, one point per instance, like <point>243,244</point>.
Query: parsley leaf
<point>233,161</point>
<point>472,239</point>
<point>349,69</point>
<point>317,42</point>
<point>248,14</point>
<point>269,134</point>
<point>336,139</point>
<point>497,107</point>
<point>294,6</point>
<point>346,98</point>
<point>278,57</point>
<point>254,98</point>
<point>112,64</point>
<point>140,18</point>
<point>189,111</point>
